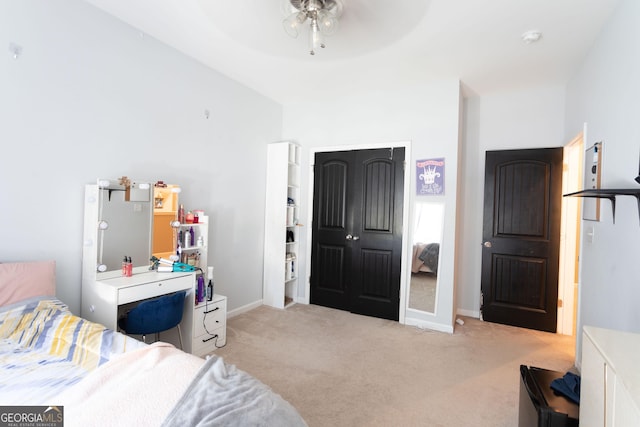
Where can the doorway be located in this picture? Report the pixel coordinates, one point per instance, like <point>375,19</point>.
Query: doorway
<point>521,237</point>
<point>570,236</point>
<point>356,248</point>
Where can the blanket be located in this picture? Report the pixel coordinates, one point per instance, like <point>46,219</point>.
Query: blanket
<point>222,395</point>
<point>161,385</point>
<point>44,349</point>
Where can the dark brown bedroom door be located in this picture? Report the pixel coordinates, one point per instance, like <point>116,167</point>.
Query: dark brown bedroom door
<point>521,237</point>
<point>357,231</point>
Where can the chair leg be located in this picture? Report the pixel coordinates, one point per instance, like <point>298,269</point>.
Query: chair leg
<point>144,338</point>
<point>180,337</point>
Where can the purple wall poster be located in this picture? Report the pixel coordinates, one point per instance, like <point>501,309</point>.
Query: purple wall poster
<point>430,177</point>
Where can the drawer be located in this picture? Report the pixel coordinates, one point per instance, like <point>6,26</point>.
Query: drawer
<point>205,344</point>
<point>153,289</point>
<point>209,316</point>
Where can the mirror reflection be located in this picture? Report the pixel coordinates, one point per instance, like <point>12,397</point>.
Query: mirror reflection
<point>134,220</point>
<point>427,237</point>
<point>124,223</point>
<point>165,211</point>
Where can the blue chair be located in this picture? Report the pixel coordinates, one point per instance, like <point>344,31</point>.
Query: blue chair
<point>155,316</point>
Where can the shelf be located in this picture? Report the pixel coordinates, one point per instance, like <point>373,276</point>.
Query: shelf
<point>609,194</point>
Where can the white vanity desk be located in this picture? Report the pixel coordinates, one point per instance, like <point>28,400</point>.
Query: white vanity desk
<point>101,303</point>
<point>119,223</point>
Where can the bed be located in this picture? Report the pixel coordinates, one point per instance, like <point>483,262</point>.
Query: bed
<point>425,258</point>
<point>49,357</point>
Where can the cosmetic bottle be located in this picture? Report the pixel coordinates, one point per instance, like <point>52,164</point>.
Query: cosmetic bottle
<point>129,267</point>
<point>192,237</point>
<point>124,266</point>
<point>200,288</point>
<point>187,239</point>
<point>210,290</point>
<point>181,214</point>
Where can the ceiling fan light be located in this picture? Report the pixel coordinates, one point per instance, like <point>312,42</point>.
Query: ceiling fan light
<point>293,22</point>
<point>315,38</point>
<point>327,23</point>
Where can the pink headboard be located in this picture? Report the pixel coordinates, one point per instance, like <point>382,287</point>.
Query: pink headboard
<point>21,280</point>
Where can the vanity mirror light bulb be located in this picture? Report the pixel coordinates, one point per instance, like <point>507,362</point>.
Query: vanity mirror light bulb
<point>144,186</point>
<point>102,268</point>
<point>176,189</point>
<point>103,183</point>
<point>103,225</point>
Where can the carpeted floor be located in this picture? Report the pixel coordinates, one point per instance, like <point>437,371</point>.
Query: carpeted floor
<point>342,369</point>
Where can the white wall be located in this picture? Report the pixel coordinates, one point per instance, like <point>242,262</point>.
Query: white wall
<point>89,97</point>
<point>427,116</point>
<point>532,118</point>
<point>605,94</point>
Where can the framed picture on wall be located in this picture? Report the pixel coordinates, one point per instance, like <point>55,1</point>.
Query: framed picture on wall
<point>430,177</point>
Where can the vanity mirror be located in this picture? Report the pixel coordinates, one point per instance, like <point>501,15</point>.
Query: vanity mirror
<point>165,214</point>
<point>425,250</point>
<point>134,220</point>
<point>124,224</point>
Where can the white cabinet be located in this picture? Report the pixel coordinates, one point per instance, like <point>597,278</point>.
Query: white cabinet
<point>282,210</point>
<point>610,378</point>
<point>209,329</point>
<point>207,324</point>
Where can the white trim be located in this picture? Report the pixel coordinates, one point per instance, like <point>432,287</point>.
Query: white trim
<point>424,324</point>
<point>244,309</point>
<point>468,313</point>
<point>405,213</point>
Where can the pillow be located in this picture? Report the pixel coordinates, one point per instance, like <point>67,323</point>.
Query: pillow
<point>22,280</point>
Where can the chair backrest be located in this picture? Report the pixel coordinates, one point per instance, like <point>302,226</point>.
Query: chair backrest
<point>156,315</point>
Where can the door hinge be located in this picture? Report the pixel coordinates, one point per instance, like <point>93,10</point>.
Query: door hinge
<point>559,303</point>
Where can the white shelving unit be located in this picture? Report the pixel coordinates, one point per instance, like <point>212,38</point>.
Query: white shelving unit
<point>195,254</point>
<point>282,230</point>
<point>207,324</point>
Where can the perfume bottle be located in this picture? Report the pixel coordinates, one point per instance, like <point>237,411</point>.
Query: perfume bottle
<point>181,217</point>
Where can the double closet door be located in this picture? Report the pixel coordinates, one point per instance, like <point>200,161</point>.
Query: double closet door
<point>357,231</point>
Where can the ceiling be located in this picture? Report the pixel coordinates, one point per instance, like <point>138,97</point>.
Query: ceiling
<point>381,44</point>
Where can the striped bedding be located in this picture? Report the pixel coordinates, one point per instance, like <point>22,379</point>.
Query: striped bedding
<point>44,349</point>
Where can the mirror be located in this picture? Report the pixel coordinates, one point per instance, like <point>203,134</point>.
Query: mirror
<point>427,238</point>
<point>124,223</point>
<point>165,212</point>
<point>134,220</point>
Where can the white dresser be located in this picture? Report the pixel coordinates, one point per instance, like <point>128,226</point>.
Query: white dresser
<point>610,378</point>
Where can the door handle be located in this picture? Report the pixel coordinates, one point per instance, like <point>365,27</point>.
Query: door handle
<point>487,244</point>
<point>350,237</point>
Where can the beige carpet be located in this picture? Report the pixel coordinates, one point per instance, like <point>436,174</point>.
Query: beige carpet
<point>341,369</point>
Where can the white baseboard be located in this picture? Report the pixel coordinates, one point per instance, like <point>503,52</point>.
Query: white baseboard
<point>425,324</point>
<point>244,309</point>
<point>469,313</point>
